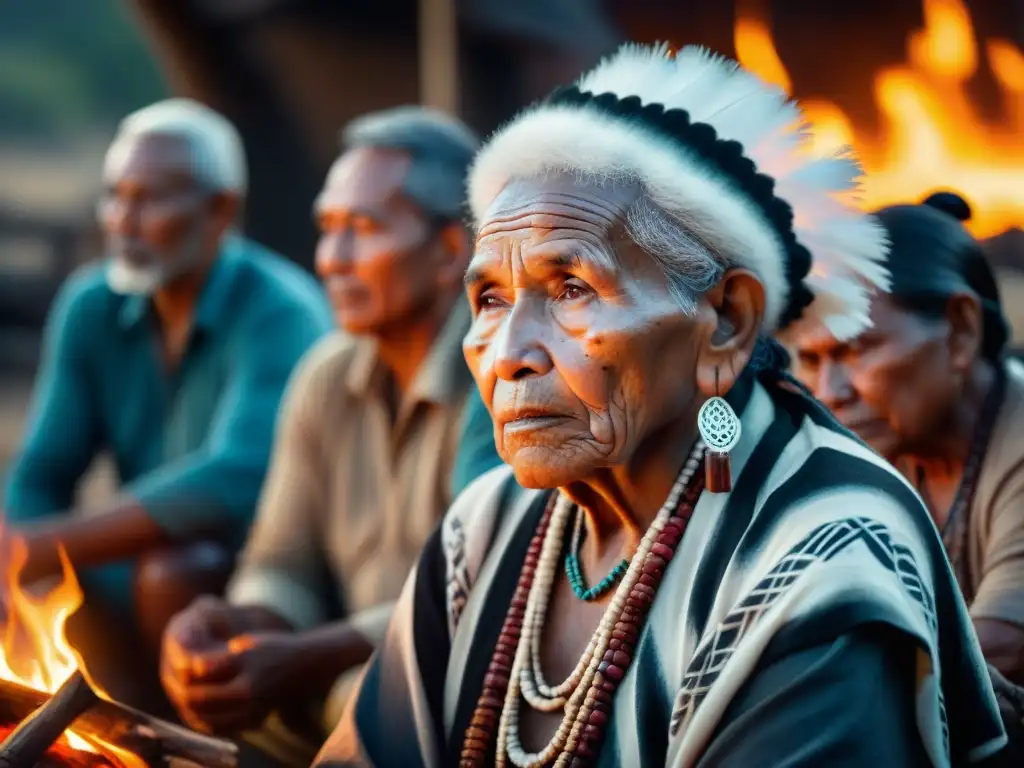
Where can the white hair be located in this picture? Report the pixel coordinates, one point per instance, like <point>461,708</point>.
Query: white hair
<point>690,266</point>
<point>218,156</point>
<point>441,146</point>
<point>694,218</point>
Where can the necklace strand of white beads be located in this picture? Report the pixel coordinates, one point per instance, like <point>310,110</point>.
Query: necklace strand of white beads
<point>527,681</point>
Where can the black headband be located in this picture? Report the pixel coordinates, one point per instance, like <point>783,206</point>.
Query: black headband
<point>726,156</point>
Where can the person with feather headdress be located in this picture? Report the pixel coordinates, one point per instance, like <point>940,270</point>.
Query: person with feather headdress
<point>687,560</point>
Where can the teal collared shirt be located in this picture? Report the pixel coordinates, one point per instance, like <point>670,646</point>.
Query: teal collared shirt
<point>191,446</point>
<point>477,452</point>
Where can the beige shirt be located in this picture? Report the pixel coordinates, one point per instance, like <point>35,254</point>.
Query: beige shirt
<point>351,497</point>
<point>995,536</point>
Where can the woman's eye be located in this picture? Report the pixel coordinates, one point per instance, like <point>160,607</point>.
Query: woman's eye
<point>574,290</point>
<point>489,301</point>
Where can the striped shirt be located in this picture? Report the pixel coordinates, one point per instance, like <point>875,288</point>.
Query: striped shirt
<point>809,616</point>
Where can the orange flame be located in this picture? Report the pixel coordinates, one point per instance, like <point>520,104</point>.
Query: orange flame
<point>34,650</point>
<point>932,136</point>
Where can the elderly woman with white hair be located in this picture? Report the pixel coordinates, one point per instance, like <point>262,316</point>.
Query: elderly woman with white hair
<point>170,356</point>
<point>700,567</point>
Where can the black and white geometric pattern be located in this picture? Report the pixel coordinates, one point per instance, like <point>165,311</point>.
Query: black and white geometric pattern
<point>457,571</point>
<point>822,544</point>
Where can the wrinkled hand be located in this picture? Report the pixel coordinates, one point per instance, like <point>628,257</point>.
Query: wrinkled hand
<point>220,678</point>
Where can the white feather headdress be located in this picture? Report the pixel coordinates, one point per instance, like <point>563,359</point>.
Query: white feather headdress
<point>847,248</point>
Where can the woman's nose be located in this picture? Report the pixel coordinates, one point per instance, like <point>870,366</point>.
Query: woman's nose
<point>519,349</point>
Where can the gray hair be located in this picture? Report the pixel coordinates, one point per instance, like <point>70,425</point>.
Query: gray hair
<point>217,154</point>
<point>441,147</point>
<point>690,266</point>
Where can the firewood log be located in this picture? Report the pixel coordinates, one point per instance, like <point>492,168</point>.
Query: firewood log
<point>149,737</point>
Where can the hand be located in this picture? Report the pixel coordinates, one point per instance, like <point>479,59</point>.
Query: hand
<point>205,626</point>
<point>220,671</point>
<point>242,683</point>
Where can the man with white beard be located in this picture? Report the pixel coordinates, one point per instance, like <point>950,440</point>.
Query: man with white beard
<point>172,357</point>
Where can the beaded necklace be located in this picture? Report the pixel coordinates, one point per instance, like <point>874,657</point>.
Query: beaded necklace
<point>574,570</point>
<point>586,695</point>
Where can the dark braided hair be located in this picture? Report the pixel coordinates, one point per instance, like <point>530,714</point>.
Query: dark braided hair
<point>933,257</point>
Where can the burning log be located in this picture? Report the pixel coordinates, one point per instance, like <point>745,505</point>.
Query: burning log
<point>27,743</point>
<point>155,741</point>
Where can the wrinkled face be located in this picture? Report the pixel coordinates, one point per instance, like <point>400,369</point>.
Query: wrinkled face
<point>894,385</point>
<point>158,221</point>
<point>577,346</point>
<point>378,255</point>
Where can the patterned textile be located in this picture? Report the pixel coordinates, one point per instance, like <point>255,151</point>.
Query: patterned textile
<point>457,572</point>
<point>819,544</point>
<point>822,544</point>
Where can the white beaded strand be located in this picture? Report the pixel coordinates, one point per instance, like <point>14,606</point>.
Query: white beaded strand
<point>537,692</point>
<point>535,689</point>
<point>550,550</point>
<point>577,687</point>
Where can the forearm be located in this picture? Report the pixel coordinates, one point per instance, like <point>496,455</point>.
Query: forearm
<point>258,618</point>
<point>89,538</point>
<point>324,653</point>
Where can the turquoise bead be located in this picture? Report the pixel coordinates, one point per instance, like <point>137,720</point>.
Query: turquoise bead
<point>575,574</point>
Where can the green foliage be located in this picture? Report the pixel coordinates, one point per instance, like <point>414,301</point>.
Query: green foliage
<point>68,66</point>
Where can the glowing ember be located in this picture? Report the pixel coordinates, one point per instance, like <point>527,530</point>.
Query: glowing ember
<point>35,652</point>
<point>64,754</point>
<point>931,137</point>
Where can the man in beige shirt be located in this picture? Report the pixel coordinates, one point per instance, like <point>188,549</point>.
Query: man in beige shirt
<point>365,444</point>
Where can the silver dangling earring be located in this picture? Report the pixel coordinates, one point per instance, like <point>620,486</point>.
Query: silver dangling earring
<point>720,429</point>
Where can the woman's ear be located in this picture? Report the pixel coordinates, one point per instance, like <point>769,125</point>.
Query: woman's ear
<point>964,316</point>
<point>738,303</point>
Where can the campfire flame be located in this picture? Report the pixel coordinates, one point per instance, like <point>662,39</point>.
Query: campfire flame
<point>932,136</point>
<point>35,652</point>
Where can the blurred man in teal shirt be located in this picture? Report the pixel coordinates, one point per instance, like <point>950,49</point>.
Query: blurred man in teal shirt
<point>171,356</point>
